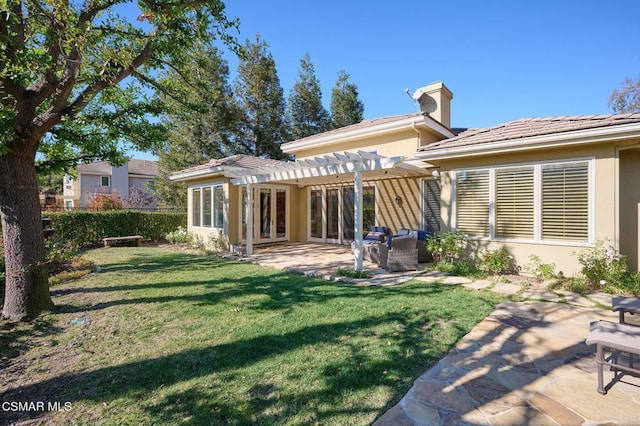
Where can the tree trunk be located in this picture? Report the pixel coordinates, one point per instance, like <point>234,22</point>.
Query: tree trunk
<point>26,278</point>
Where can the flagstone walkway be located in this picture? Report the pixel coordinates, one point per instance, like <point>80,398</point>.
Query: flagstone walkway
<point>525,363</point>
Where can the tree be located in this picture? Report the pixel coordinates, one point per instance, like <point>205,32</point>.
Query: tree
<point>346,107</point>
<point>204,122</point>
<point>627,99</point>
<point>306,113</point>
<point>259,94</point>
<point>73,78</point>
<point>138,198</point>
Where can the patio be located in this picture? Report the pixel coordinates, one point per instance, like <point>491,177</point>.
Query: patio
<point>322,261</point>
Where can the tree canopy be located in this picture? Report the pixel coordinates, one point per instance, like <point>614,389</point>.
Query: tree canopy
<point>627,98</point>
<point>202,120</point>
<point>74,86</point>
<point>307,115</point>
<point>261,98</point>
<point>346,106</point>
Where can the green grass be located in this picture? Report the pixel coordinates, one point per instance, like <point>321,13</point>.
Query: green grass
<point>160,337</point>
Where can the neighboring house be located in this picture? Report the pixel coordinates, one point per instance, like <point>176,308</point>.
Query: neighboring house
<point>102,177</point>
<point>544,186</point>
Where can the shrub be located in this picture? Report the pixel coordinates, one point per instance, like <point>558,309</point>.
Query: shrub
<point>82,229</point>
<point>179,236</point>
<point>351,273</point>
<point>496,262</point>
<point>104,201</point>
<point>446,246</point>
<point>540,270</point>
<point>603,267</point>
<point>602,263</point>
<point>460,268</point>
<point>217,243</point>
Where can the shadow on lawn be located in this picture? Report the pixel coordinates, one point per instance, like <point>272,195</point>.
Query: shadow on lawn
<point>410,350</point>
<point>265,402</point>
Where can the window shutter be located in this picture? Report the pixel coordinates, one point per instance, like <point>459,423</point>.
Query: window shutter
<point>515,203</point>
<point>431,205</point>
<point>565,202</point>
<point>472,203</point>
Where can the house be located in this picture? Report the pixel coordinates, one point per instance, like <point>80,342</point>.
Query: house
<point>102,177</point>
<point>543,186</point>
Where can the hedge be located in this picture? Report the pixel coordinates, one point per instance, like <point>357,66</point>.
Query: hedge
<point>83,229</point>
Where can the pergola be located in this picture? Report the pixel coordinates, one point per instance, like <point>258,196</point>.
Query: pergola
<point>336,167</point>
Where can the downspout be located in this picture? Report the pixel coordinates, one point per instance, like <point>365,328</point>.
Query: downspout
<point>413,126</point>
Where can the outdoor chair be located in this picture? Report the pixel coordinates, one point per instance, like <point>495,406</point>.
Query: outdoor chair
<point>376,234</point>
<point>423,255</point>
<point>402,256</point>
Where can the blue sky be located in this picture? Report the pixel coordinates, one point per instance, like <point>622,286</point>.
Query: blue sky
<point>503,60</point>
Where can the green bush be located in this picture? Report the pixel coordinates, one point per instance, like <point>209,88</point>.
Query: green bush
<point>82,229</point>
<point>459,268</point>
<point>603,267</point>
<point>179,236</point>
<point>542,271</point>
<point>446,246</point>
<point>496,262</point>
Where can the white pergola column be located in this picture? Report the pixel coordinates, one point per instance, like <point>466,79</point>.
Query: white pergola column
<point>249,219</point>
<point>357,216</point>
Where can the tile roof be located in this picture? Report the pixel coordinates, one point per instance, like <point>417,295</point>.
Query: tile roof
<point>136,167</point>
<point>363,124</point>
<point>239,160</point>
<point>529,127</point>
<point>143,167</point>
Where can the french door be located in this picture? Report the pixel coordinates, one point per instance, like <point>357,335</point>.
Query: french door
<point>270,214</point>
<point>331,213</point>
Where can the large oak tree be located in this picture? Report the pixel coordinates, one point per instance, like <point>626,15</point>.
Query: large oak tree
<point>73,77</point>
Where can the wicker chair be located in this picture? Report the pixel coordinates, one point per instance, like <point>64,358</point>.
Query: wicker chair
<point>403,255</point>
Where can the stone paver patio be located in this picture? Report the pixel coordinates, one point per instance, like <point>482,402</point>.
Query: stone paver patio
<point>526,363</point>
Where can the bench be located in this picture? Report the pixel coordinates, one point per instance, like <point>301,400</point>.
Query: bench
<point>624,305</point>
<point>109,241</point>
<point>614,338</point>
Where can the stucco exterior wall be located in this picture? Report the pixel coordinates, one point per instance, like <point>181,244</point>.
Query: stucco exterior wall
<point>630,205</point>
<point>402,143</point>
<point>403,214</point>
<point>605,204</point>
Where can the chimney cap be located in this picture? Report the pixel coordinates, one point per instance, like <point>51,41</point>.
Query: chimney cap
<point>430,88</point>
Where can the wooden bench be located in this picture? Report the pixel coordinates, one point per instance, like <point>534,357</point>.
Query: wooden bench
<point>109,241</point>
<point>614,338</point>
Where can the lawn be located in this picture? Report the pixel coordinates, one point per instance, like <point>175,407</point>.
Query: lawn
<point>164,337</point>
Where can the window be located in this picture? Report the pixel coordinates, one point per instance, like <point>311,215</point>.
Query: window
<point>514,203</point>
<point>68,181</point>
<point>537,202</point>
<point>472,203</point>
<point>105,181</point>
<point>197,199</point>
<point>565,202</point>
<point>208,206</point>
<point>68,205</point>
<point>368,207</point>
<point>218,207</point>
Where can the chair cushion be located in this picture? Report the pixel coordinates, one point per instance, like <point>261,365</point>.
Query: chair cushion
<point>422,235</point>
<point>375,236</point>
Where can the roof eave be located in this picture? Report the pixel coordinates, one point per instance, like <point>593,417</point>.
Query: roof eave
<point>554,140</point>
<point>196,174</point>
<point>375,130</point>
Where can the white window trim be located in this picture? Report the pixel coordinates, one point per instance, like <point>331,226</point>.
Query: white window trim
<point>108,178</point>
<point>212,186</point>
<point>537,182</point>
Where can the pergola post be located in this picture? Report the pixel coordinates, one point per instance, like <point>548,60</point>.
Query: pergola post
<point>249,219</point>
<point>357,216</point>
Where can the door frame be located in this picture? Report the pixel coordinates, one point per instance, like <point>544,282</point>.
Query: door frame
<point>255,198</point>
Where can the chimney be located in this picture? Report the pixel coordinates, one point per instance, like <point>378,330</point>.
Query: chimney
<point>435,99</point>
